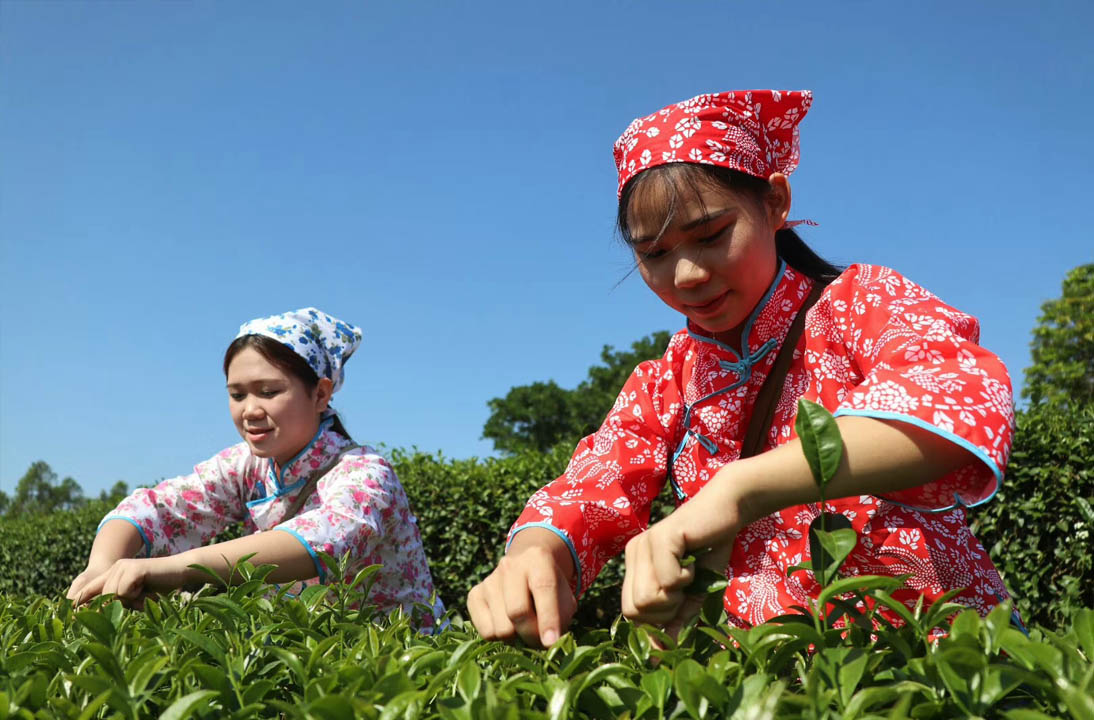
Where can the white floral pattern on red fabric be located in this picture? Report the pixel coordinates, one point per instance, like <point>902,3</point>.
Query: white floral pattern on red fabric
<point>358,506</point>
<point>875,344</point>
<point>753,131</point>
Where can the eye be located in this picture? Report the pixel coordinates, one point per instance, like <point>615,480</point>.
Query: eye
<point>269,393</point>
<point>711,239</point>
<point>236,396</point>
<point>653,253</point>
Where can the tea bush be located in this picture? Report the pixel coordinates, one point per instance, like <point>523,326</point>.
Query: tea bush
<point>248,652</point>
<point>42,554</point>
<point>464,510</point>
<point>1037,529</point>
<point>466,507</point>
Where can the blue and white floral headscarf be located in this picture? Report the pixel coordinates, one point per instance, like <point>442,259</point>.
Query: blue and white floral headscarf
<point>324,341</point>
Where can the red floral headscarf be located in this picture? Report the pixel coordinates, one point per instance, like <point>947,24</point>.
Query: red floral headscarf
<point>753,131</point>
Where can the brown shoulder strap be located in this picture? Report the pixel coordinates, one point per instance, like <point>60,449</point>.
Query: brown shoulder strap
<point>309,488</point>
<point>763,412</point>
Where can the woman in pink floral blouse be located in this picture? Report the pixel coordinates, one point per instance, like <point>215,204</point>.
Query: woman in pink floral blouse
<point>925,412</point>
<point>297,482</point>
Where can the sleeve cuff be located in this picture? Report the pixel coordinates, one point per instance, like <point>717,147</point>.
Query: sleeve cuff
<point>565,539</point>
<point>315,558</point>
<point>144,536</point>
<point>980,454</point>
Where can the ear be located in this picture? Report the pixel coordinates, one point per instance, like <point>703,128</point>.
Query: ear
<point>777,201</point>
<point>323,391</point>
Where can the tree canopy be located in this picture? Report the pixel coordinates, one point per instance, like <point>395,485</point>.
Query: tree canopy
<point>1062,372</point>
<point>541,415</point>
<point>39,492</point>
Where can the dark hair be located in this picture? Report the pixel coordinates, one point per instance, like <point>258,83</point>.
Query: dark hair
<point>789,246</point>
<point>278,355</point>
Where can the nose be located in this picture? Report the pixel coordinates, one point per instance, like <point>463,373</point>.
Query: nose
<point>689,272</point>
<point>252,408</point>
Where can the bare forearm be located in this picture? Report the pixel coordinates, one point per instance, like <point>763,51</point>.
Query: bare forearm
<point>274,547</point>
<point>116,540</point>
<point>879,457</point>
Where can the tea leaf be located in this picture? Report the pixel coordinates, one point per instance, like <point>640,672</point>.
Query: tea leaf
<point>829,549</point>
<point>186,705</point>
<point>821,441</point>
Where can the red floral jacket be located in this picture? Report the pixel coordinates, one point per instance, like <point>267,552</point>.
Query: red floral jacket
<point>875,344</point>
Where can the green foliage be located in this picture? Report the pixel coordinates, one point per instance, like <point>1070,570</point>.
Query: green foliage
<point>464,510</point>
<point>43,554</point>
<point>466,507</point>
<point>531,417</point>
<point>1035,530</point>
<point>116,493</point>
<point>248,651</point>
<point>821,441</point>
<point>1039,529</point>
<point>39,492</point>
<point>1062,372</point>
<point>542,415</point>
<point>831,537</point>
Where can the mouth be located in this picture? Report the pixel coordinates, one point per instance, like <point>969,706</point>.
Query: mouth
<point>256,435</point>
<point>708,307</point>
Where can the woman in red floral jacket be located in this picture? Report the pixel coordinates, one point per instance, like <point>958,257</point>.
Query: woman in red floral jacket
<point>926,414</point>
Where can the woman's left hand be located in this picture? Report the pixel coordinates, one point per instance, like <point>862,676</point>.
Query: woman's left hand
<point>131,580</point>
<point>654,585</point>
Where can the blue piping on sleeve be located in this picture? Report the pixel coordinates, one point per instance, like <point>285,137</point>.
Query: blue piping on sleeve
<point>144,537</point>
<point>314,557</point>
<point>956,439</point>
<point>565,539</point>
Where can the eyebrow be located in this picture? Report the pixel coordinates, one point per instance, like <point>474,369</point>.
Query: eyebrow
<point>264,381</point>
<point>689,225</point>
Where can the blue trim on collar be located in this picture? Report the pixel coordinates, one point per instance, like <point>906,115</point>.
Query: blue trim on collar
<point>746,359</point>
<point>748,323</point>
<point>323,425</point>
<point>282,492</point>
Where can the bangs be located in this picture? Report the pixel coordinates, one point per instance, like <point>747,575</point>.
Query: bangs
<point>652,199</point>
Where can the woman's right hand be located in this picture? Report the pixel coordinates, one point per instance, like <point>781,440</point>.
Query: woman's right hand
<point>95,568</point>
<point>115,540</point>
<point>528,593</point>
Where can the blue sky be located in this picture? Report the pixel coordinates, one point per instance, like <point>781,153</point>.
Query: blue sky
<point>440,174</point>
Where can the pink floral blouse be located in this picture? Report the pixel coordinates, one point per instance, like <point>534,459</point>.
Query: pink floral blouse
<point>358,506</point>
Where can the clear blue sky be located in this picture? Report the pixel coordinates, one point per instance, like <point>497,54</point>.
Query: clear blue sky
<point>440,174</point>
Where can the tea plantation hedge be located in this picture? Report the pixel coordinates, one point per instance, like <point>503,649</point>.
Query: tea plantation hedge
<point>242,653</point>
<point>1037,530</point>
<point>250,652</point>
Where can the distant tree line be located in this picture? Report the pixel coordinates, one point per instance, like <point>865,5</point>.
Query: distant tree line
<point>39,492</point>
<point>542,415</point>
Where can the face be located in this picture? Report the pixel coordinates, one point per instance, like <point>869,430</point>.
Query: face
<point>273,410</point>
<point>717,257</point>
